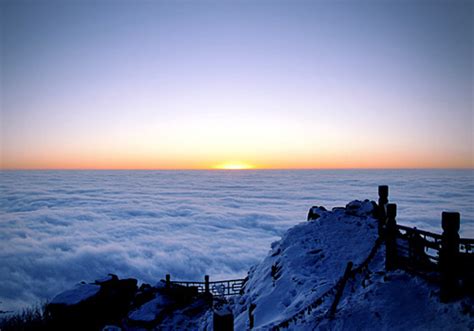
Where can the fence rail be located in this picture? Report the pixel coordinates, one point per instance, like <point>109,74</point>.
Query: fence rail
<point>221,288</point>
<point>409,248</point>
<point>446,254</point>
<point>466,245</point>
<point>421,246</point>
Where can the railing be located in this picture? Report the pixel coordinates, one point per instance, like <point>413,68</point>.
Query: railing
<point>221,288</point>
<point>447,255</point>
<point>418,246</point>
<point>466,245</point>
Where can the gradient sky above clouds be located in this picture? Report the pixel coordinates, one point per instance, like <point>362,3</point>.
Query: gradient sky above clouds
<point>181,84</point>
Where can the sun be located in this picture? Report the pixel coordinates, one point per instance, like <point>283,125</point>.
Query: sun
<point>233,166</point>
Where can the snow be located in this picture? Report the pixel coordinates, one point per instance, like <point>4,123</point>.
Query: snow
<point>397,301</point>
<point>79,293</point>
<point>222,310</point>
<point>106,279</point>
<point>59,227</point>
<point>111,328</point>
<point>305,263</point>
<point>295,285</point>
<point>150,310</point>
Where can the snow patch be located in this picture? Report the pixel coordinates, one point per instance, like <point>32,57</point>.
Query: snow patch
<point>79,293</point>
<point>150,310</point>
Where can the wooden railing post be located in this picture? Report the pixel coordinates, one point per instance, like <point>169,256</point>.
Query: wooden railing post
<point>391,238</point>
<point>416,249</point>
<point>206,284</point>
<point>448,255</point>
<point>251,315</point>
<point>381,214</point>
<point>168,281</point>
<point>223,320</point>
<point>340,289</point>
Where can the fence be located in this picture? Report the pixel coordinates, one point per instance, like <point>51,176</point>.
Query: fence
<point>221,288</point>
<point>445,258</point>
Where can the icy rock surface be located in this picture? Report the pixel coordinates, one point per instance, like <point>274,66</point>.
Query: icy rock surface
<point>294,287</point>
<point>149,311</point>
<point>308,260</point>
<point>79,293</point>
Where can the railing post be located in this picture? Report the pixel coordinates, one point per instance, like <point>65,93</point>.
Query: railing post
<point>448,255</point>
<point>381,214</point>
<point>391,238</point>
<point>416,249</point>
<point>223,319</point>
<point>168,281</point>
<point>251,315</point>
<point>340,289</point>
<point>206,284</point>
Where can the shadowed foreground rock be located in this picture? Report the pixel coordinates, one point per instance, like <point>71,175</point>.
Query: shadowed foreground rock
<point>90,306</point>
<point>114,303</point>
<point>327,273</point>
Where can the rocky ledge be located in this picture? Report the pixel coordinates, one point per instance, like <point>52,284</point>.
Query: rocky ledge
<point>302,284</point>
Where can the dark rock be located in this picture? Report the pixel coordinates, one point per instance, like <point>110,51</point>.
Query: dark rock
<point>315,212</point>
<point>165,303</point>
<point>150,313</point>
<point>91,306</point>
<point>360,208</point>
<point>111,278</point>
<point>223,318</point>
<point>144,294</point>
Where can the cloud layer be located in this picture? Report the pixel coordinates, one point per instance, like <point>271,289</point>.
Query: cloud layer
<point>60,227</point>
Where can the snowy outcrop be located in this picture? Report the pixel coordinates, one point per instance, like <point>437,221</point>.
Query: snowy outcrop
<point>307,262</point>
<point>90,306</point>
<point>326,273</point>
<point>295,286</point>
<point>315,212</point>
<point>76,295</point>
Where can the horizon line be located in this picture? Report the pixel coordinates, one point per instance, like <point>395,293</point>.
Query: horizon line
<point>249,169</point>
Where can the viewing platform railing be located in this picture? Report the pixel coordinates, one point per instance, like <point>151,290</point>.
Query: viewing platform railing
<point>221,288</point>
<point>445,258</point>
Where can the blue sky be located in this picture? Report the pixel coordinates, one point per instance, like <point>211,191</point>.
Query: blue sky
<point>271,84</point>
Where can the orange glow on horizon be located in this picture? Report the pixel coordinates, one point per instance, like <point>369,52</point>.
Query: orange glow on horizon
<point>127,158</point>
<point>233,166</point>
<point>328,160</point>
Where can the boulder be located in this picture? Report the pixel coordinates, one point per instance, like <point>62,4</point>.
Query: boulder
<point>360,208</point>
<point>315,212</point>
<point>150,313</point>
<point>91,306</point>
<point>80,293</point>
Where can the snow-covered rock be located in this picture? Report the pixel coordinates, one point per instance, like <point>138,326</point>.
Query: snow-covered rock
<point>295,286</point>
<point>307,262</point>
<point>149,311</point>
<point>305,283</point>
<point>395,301</point>
<point>91,306</point>
<point>360,208</point>
<point>109,278</point>
<point>315,212</point>
<point>80,293</point>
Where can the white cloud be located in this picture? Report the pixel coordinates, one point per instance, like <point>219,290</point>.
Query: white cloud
<point>58,228</point>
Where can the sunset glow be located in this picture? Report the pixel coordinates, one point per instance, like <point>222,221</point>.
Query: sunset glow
<point>177,85</point>
<point>234,166</point>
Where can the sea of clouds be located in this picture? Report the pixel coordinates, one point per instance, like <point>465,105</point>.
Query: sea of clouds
<point>60,227</point>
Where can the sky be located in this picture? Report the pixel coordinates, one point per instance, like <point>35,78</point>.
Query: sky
<point>236,84</point>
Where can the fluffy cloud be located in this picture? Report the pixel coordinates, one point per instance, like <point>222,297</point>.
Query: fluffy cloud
<point>60,227</point>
